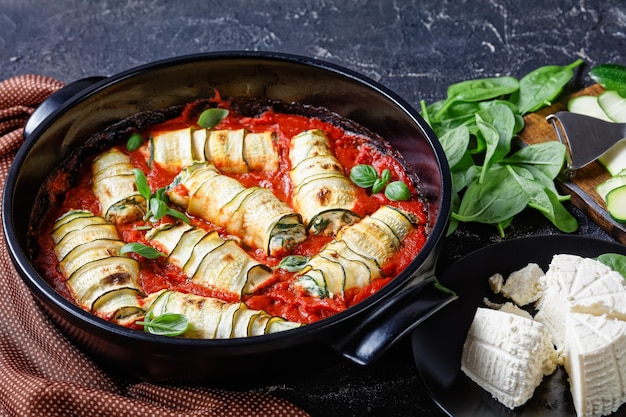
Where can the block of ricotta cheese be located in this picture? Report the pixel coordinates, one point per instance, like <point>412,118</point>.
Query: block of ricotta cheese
<point>581,285</point>
<point>507,355</point>
<point>596,363</point>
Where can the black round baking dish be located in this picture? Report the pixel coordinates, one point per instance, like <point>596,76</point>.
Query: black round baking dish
<point>361,333</point>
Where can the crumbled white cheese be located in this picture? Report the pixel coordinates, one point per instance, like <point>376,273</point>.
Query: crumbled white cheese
<point>507,355</point>
<point>523,286</point>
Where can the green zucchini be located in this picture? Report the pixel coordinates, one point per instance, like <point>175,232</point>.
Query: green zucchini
<point>90,251</point>
<point>115,187</point>
<point>611,77</point>
<point>80,236</point>
<point>360,250</point>
<point>74,222</point>
<point>191,178</point>
<point>616,203</point>
<point>198,143</point>
<point>209,260</point>
<point>210,318</point>
<point>615,181</point>
<point>172,149</point>
<point>613,105</point>
<point>259,151</point>
<point>122,306</point>
<point>322,193</point>
<point>95,278</point>
<point>224,148</point>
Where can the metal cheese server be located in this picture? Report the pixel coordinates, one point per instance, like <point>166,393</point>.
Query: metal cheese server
<point>586,138</point>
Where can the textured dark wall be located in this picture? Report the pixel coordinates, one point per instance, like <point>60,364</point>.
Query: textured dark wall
<point>416,48</point>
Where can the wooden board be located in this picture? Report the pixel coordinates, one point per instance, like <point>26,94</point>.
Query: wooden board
<point>582,185</point>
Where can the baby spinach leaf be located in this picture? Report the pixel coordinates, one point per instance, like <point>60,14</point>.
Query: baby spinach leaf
<point>496,199</point>
<point>548,157</point>
<point>544,200</point>
<point>541,86</point>
<point>615,261</point>
<point>455,143</point>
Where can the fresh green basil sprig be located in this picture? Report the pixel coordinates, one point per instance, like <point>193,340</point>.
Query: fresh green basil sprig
<point>144,250</point>
<point>134,141</point>
<point>365,176</point>
<point>157,202</point>
<point>493,180</point>
<point>168,324</point>
<point>211,117</point>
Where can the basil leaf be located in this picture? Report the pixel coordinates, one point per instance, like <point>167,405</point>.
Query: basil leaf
<point>293,263</point>
<point>211,117</point>
<point>134,142</point>
<point>168,324</point>
<point>177,214</point>
<point>378,186</point>
<point>397,191</point>
<point>158,208</point>
<point>144,250</point>
<point>363,175</point>
<point>142,184</point>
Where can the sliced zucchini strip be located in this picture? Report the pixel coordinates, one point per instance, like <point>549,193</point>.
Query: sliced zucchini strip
<point>99,279</point>
<point>209,260</point>
<point>231,151</point>
<point>211,318</point>
<point>115,188</point>
<point>322,194</point>
<point>253,214</point>
<point>355,257</point>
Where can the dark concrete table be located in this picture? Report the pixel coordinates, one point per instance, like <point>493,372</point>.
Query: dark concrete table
<point>416,48</point>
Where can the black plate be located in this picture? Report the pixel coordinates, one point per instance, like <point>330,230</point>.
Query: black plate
<point>438,342</point>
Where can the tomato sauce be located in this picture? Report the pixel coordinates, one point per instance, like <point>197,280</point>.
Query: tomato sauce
<point>278,297</point>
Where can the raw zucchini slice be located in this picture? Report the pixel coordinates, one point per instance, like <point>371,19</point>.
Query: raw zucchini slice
<point>616,203</point>
<point>613,182</point>
<point>589,106</point>
<point>115,188</point>
<point>322,194</point>
<point>172,149</point>
<point>613,105</point>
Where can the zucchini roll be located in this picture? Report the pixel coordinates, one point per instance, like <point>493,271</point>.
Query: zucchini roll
<point>113,184</point>
<point>231,151</point>
<point>100,280</point>
<point>253,214</point>
<point>322,194</point>
<point>211,318</point>
<point>209,260</point>
<point>355,257</point>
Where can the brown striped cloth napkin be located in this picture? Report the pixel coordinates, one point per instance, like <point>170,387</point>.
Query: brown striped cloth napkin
<point>41,372</point>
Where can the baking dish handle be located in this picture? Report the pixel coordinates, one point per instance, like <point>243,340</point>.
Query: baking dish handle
<point>389,323</point>
<point>55,100</point>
